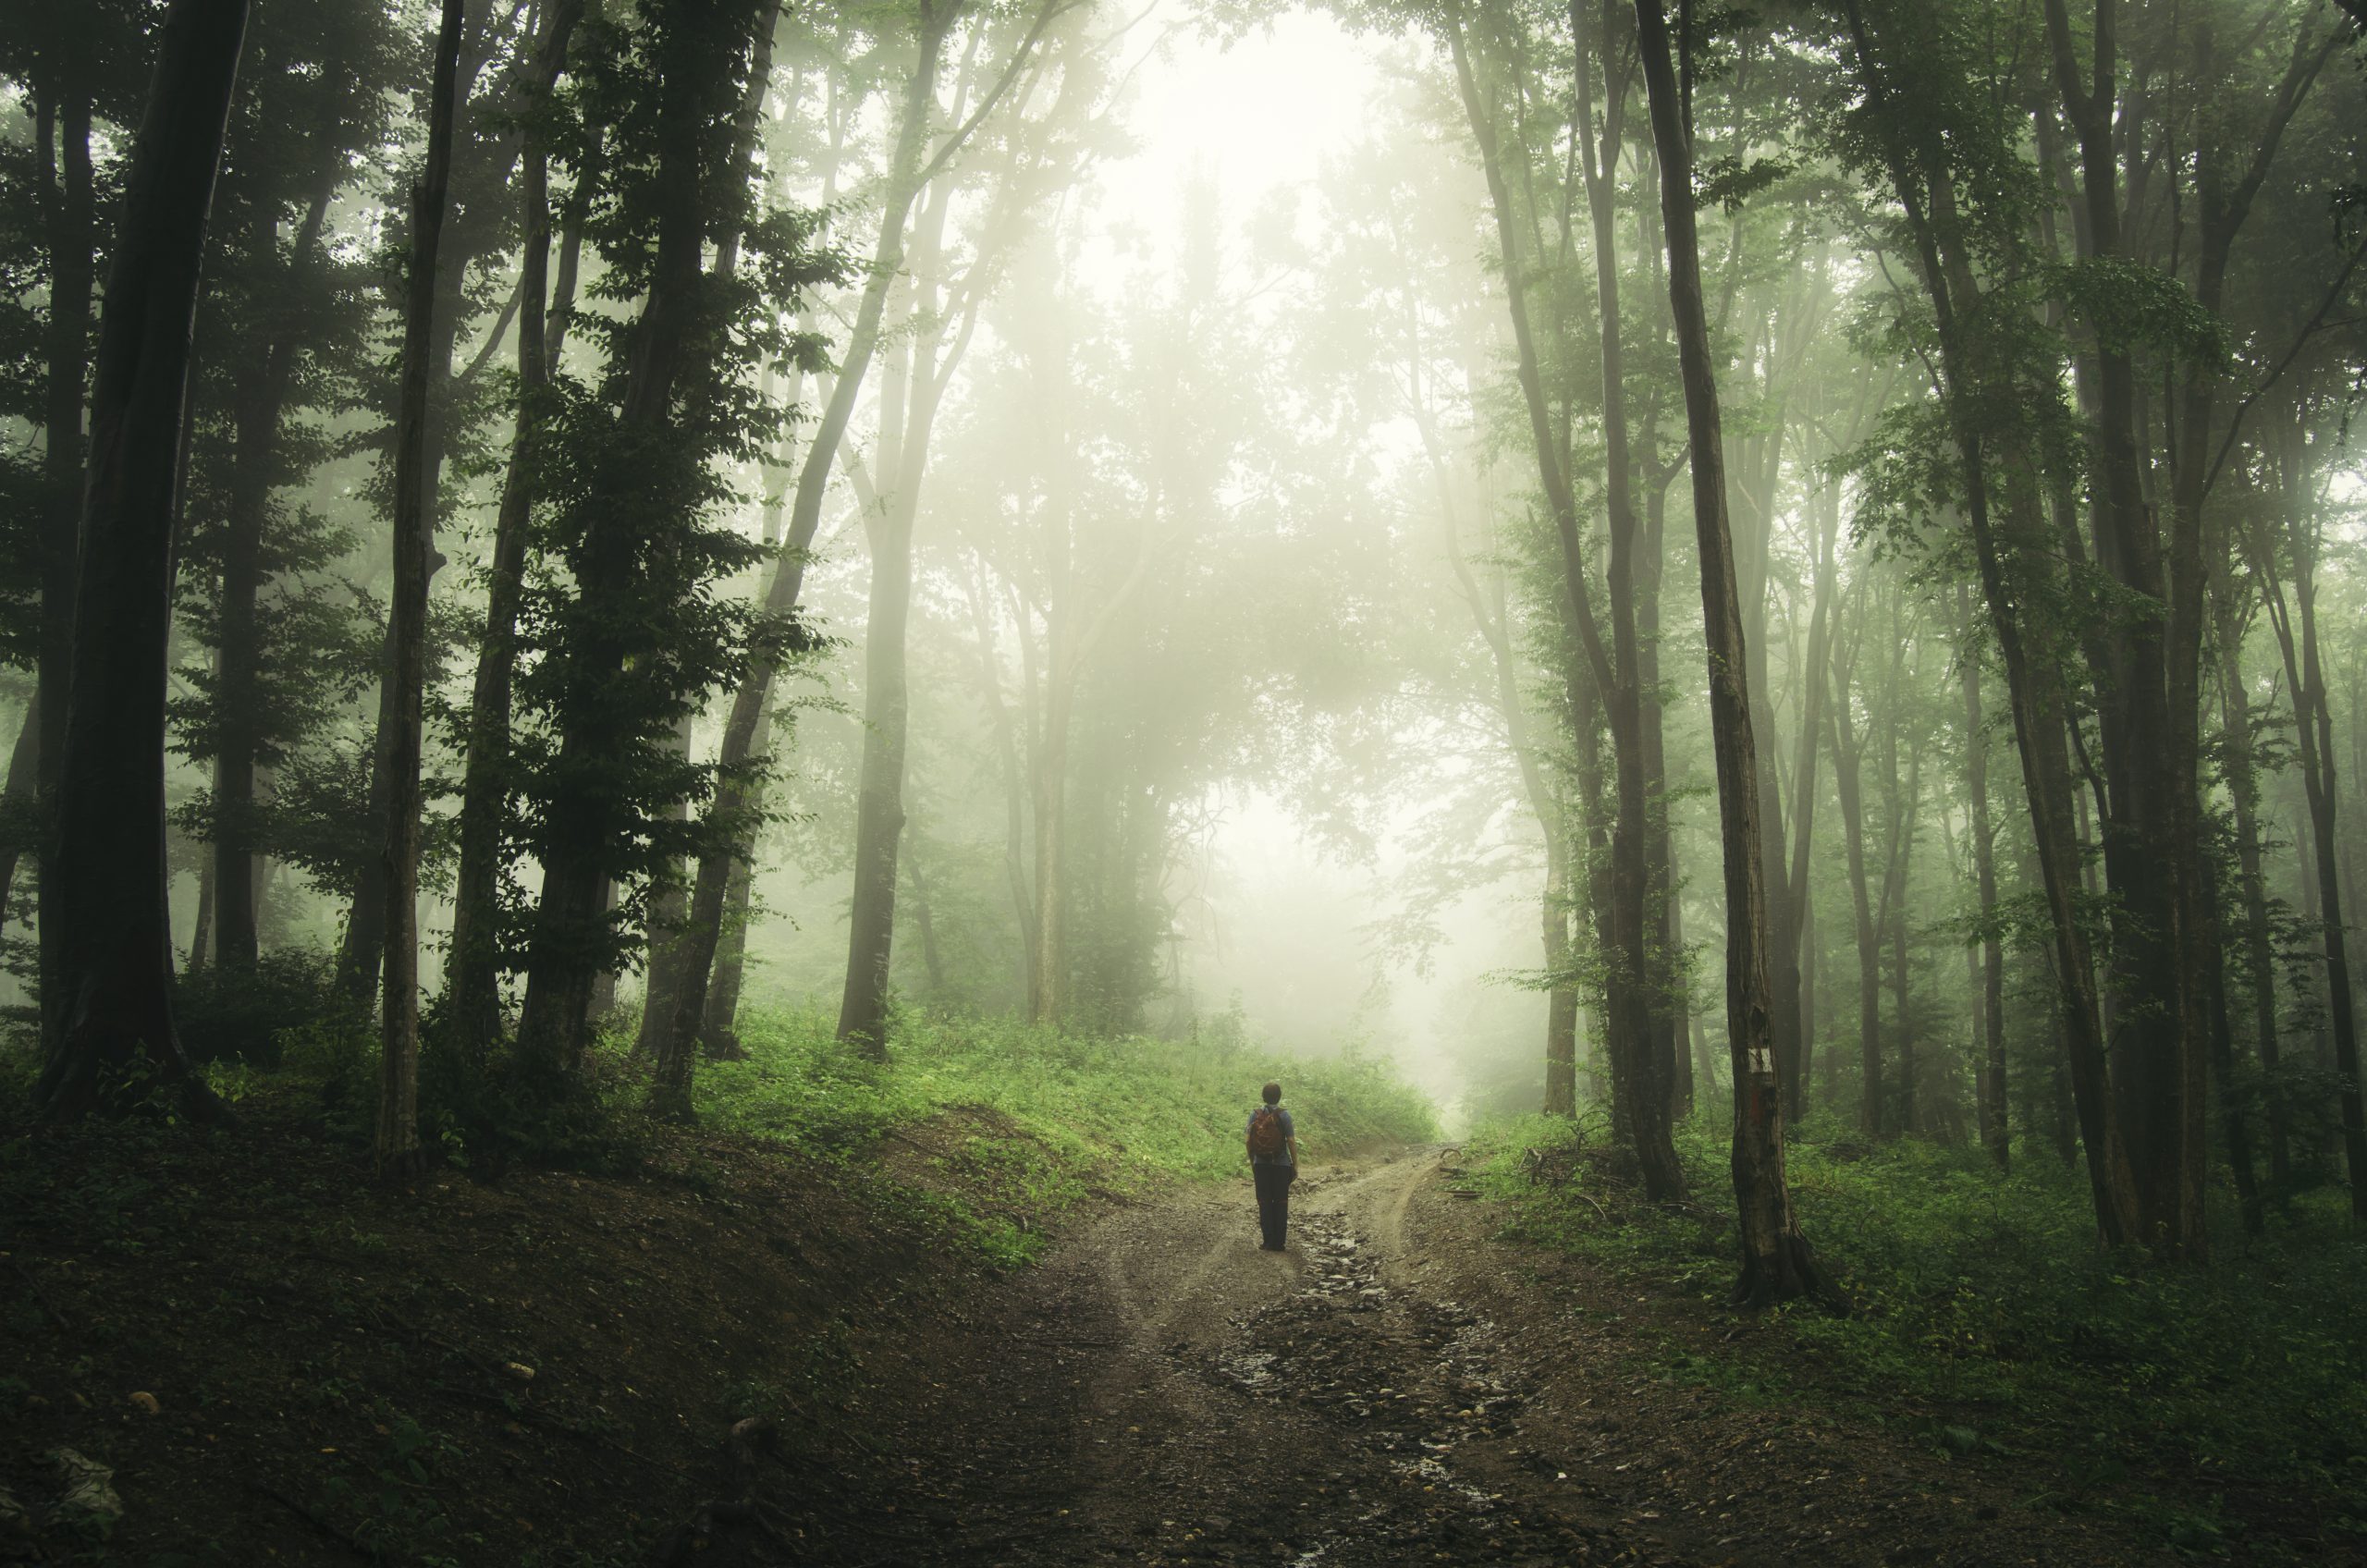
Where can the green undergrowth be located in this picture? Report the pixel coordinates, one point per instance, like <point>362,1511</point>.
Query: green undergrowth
<point>1007,1125</point>
<point>1983,1321</point>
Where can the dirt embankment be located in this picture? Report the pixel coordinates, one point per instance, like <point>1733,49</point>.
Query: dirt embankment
<point>277,1363</point>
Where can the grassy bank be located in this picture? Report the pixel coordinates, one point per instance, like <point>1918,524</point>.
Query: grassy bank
<point>1010,1124</point>
<point>1983,1319</point>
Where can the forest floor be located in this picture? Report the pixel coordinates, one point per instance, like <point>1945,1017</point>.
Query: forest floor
<point>1398,1388</point>
<point>279,1364</point>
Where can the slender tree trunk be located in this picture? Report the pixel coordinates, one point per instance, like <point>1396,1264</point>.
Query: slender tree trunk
<point>1795,1029</point>
<point>472,991</point>
<point>112,997</point>
<point>2296,632</point>
<point>1561,1001</point>
<point>396,1145</point>
<point>258,405</point>
<point>1847,749</point>
<point>1776,1260</point>
<point>2009,547</point>
<point>71,235</point>
<point>1991,1064</point>
<point>720,1025</point>
<point>1639,1073</point>
<point>19,799</point>
<point>879,806</point>
<point>569,923</point>
<point>2243,790</point>
<point>733,802</point>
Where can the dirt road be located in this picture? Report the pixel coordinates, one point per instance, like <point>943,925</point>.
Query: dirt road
<point>1395,1389</point>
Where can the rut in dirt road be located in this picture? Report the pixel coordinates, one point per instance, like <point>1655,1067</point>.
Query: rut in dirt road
<point>1398,1389</point>
<point>1168,1393</point>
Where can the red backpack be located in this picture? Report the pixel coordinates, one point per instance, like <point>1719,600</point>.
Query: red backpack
<point>1266,1133</point>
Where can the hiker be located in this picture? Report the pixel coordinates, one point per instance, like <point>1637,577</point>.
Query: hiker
<point>1273,1161</point>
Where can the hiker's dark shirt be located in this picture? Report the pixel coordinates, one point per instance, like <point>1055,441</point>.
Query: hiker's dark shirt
<point>1283,1156</point>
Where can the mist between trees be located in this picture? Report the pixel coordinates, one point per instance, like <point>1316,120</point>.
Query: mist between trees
<point>746,499</point>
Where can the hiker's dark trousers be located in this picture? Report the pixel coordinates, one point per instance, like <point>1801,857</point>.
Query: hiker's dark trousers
<point>1273,1201</point>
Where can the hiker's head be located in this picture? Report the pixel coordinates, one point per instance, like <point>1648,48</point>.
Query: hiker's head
<point>1273,1092</point>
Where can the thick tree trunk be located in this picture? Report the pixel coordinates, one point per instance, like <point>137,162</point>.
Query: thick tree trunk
<point>719,1023</point>
<point>112,997</point>
<point>1776,1260</point>
<point>474,989</point>
<point>396,1145</point>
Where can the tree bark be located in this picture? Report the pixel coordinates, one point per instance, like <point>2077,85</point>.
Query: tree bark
<point>1776,1260</point>
<point>2007,546</point>
<point>112,997</point>
<point>570,922</point>
<point>1847,776</point>
<point>71,232</point>
<point>474,989</point>
<point>733,802</point>
<point>1639,1073</point>
<point>1991,1066</point>
<point>396,1145</point>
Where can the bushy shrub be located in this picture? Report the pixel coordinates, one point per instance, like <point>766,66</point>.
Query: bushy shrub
<point>249,1015</point>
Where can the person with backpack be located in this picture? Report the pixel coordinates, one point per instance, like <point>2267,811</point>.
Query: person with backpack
<point>1273,1163</point>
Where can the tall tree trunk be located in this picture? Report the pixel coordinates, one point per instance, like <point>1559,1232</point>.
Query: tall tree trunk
<point>112,997</point>
<point>2009,546</point>
<point>2296,635</point>
<point>473,989</point>
<point>1848,752</point>
<point>569,923</point>
<point>260,389</point>
<point>2243,792</point>
<point>477,226</point>
<point>880,805</point>
<point>2150,756</point>
<point>732,801</point>
<point>1991,1065</point>
<point>396,1145</point>
<point>1561,1001</point>
<point>1639,1076</point>
<point>70,231</point>
<point>1902,796</point>
<point>1777,1261</point>
<point>1795,1028</point>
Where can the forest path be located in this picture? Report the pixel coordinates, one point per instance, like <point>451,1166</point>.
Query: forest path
<point>1396,1389</point>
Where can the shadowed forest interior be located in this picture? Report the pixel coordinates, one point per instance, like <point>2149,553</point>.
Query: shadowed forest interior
<point>1733,638</point>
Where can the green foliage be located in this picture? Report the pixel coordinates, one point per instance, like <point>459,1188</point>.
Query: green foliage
<point>1983,1318</point>
<point>1115,1113</point>
<point>250,1014</point>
